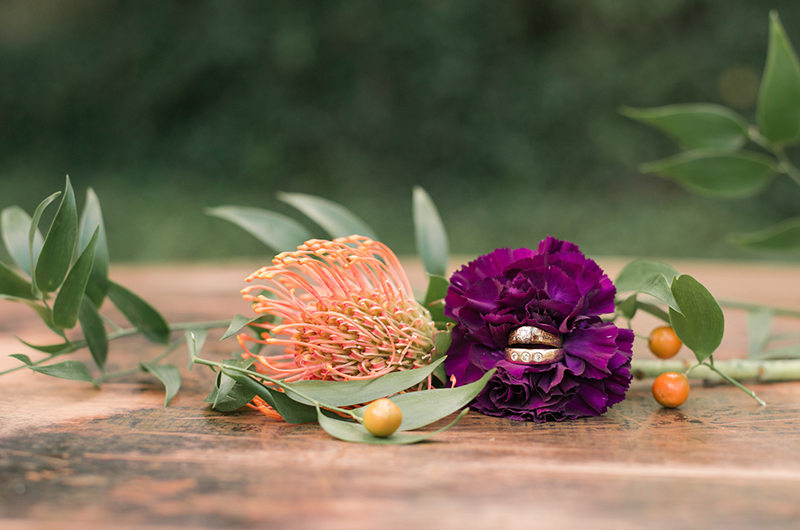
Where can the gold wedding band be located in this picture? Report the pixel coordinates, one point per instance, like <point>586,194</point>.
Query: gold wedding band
<point>533,336</point>
<point>534,355</point>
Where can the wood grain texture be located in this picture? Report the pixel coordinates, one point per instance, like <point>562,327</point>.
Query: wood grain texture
<point>73,457</point>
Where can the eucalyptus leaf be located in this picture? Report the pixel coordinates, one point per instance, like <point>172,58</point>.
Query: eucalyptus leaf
<point>344,393</point>
<point>355,432</point>
<point>441,341</point>
<point>659,288</point>
<point>434,298</point>
<point>168,375</point>
<point>59,244</point>
<point>427,406</point>
<point>783,237</point>
<point>72,370</point>
<point>696,126</point>
<point>14,285</point>
<point>641,272</point>
<point>225,383</point>
<point>94,331</point>
<point>759,325</point>
<point>68,302</point>
<point>16,228</point>
<point>139,313</point>
<point>290,410</point>
<point>430,233</point>
<point>716,173</point>
<point>195,340</point>
<point>237,398</point>
<point>22,357</point>
<point>337,220</point>
<point>91,218</point>
<point>34,251</point>
<point>702,323</point>
<point>63,347</point>
<point>778,110</point>
<point>279,232</point>
<point>240,321</point>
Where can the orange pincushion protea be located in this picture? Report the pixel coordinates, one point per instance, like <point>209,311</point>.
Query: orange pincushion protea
<point>344,311</point>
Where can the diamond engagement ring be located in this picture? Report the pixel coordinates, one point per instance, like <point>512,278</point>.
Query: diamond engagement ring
<point>525,346</point>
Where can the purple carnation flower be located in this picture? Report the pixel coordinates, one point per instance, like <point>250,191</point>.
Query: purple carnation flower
<point>559,290</point>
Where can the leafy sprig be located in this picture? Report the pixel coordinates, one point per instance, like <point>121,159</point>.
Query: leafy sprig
<point>715,161</point>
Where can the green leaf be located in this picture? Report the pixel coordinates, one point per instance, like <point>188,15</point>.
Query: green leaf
<point>343,393</point>
<point>168,375</point>
<point>716,173</point>
<point>238,323</point>
<point>783,237</point>
<point>139,313</point>
<point>195,339</point>
<point>337,220</point>
<point>72,370</point>
<point>64,347</point>
<point>430,233</point>
<point>702,323</point>
<point>641,272</point>
<point>59,244</point>
<point>22,357</point>
<point>434,298</point>
<point>695,126</point>
<point>92,218</point>
<point>233,396</point>
<point>290,410</point>
<point>659,289</point>
<point>14,285</point>
<point>277,231</point>
<point>355,432</point>
<point>16,224</point>
<point>427,406</point>
<point>68,302</point>
<point>33,233</point>
<point>629,306</point>
<point>778,111</point>
<point>94,331</point>
<point>653,310</point>
<point>441,341</point>
<point>759,325</point>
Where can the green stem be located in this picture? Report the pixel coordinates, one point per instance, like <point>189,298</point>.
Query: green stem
<point>777,311</point>
<point>155,360</point>
<point>787,166</point>
<point>738,385</point>
<point>278,383</point>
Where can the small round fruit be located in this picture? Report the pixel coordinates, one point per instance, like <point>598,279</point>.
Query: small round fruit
<point>671,389</point>
<point>664,343</point>
<point>382,418</point>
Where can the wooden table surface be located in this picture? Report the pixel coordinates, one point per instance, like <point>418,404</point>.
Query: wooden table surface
<point>74,457</point>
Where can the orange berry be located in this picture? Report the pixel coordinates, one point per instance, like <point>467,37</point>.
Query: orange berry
<point>382,418</point>
<point>671,389</point>
<point>664,343</point>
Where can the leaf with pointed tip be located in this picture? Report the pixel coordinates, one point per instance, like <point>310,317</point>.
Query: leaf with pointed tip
<point>279,232</point>
<point>441,341</point>
<point>94,331</point>
<point>72,370</point>
<point>240,321</point>
<point>434,298</point>
<point>702,323</point>
<point>64,347</point>
<point>641,272</point>
<point>168,375</point>
<point>355,432</point>
<point>430,233</point>
<point>139,313</point>
<point>290,410</point>
<point>778,109</point>
<point>695,126</point>
<point>235,397</point>
<point>783,237</point>
<point>59,244</point>
<point>717,174</point>
<point>427,406</point>
<point>33,233</point>
<point>91,218</point>
<point>22,357</point>
<point>629,306</point>
<point>16,224</point>
<point>195,339</point>
<point>68,301</point>
<point>337,220</point>
<point>659,289</point>
<point>14,285</point>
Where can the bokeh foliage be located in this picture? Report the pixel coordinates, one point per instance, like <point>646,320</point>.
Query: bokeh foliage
<point>506,112</point>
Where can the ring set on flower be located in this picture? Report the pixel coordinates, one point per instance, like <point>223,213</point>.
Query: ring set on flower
<point>522,349</point>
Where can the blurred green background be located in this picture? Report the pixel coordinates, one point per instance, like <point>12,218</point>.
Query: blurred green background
<point>505,111</point>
